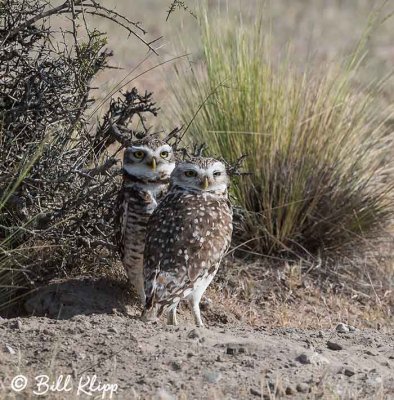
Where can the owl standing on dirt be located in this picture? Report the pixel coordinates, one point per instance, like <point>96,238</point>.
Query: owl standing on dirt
<point>188,235</point>
<point>147,166</point>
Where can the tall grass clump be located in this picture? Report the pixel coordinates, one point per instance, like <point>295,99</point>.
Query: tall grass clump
<point>316,149</point>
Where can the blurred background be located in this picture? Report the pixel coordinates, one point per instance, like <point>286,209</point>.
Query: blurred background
<point>317,31</point>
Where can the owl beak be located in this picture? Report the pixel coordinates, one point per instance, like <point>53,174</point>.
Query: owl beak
<point>152,164</point>
<point>205,183</point>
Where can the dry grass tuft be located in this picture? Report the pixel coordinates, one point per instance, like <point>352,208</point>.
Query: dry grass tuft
<point>318,151</point>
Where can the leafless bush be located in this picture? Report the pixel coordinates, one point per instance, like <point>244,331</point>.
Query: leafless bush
<point>58,176</point>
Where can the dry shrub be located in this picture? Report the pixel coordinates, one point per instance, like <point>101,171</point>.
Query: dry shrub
<point>58,179</point>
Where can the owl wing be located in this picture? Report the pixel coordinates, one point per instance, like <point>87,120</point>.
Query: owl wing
<point>186,237</point>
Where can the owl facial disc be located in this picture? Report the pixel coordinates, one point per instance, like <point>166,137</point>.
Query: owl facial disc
<point>145,162</point>
<point>208,175</point>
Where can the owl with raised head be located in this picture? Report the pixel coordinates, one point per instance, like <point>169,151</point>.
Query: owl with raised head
<point>147,166</point>
<point>188,235</point>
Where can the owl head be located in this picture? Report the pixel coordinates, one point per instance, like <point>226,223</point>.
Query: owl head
<point>201,174</point>
<point>149,159</point>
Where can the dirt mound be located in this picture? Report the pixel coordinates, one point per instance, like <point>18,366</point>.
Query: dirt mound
<point>84,296</point>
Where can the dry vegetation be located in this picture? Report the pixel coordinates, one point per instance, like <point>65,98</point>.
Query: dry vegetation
<point>316,150</point>
<point>273,290</point>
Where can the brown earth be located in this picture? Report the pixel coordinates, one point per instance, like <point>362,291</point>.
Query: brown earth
<point>91,327</point>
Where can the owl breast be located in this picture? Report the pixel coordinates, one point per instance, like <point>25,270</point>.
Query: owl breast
<point>187,237</point>
<point>135,205</point>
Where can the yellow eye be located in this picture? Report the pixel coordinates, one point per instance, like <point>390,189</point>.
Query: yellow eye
<point>164,154</point>
<point>139,154</point>
<point>191,173</point>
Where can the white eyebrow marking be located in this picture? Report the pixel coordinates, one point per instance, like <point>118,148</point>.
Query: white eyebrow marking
<point>165,147</point>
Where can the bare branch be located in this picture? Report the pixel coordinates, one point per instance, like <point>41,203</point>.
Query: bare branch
<point>177,4</point>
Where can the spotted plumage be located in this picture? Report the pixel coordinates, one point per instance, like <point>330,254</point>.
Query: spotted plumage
<point>188,234</point>
<point>147,165</point>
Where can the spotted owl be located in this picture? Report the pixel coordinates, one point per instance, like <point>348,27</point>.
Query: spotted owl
<point>188,235</point>
<point>147,166</point>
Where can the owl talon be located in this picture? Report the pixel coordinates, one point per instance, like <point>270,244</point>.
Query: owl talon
<point>171,317</point>
<point>149,316</point>
<point>172,322</point>
<point>196,313</point>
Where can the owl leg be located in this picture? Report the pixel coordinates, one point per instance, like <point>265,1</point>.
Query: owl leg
<point>171,316</point>
<point>136,277</point>
<point>195,297</point>
<point>139,285</point>
<point>195,305</point>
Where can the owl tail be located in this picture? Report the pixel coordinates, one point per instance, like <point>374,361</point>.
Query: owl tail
<point>151,305</point>
<point>150,310</point>
<point>150,290</point>
<point>150,300</point>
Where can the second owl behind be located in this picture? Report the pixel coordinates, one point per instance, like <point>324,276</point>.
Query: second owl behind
<point>147,166</point>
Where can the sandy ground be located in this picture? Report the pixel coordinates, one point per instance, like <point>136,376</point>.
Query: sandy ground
<point>91,329</point>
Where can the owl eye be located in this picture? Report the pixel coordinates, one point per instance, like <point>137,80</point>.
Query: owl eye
<point>217,173</point>
<point>139,154</point>
<point>190,174</point>
<point>164,154</point>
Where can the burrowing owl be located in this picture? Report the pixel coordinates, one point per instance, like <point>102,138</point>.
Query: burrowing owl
<point>147,166</point>
<point>188,234</point>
